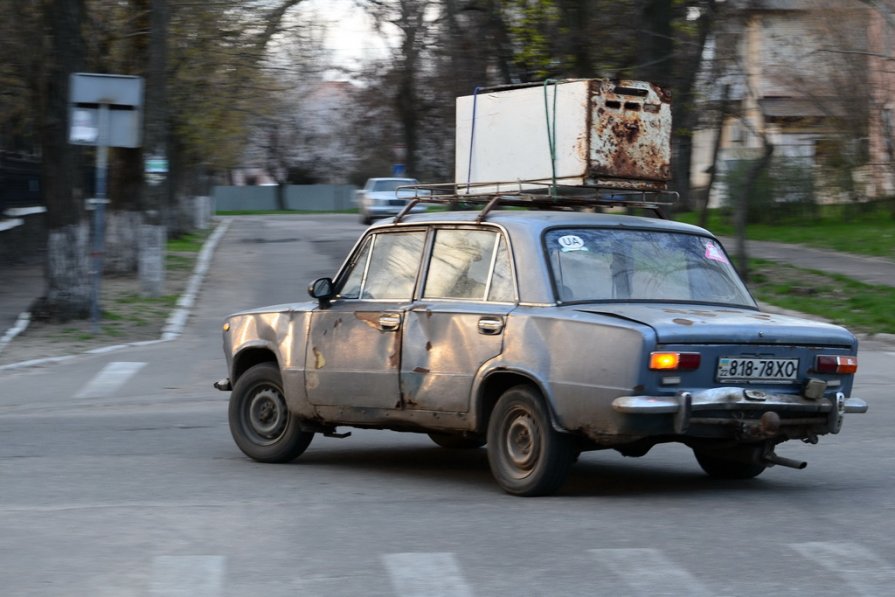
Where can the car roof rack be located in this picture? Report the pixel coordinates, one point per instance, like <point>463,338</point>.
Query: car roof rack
<point>536,195</point>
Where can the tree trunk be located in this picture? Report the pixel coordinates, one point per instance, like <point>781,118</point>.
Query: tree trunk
<point>716,151</point>
<point>123,218</point>
<point>741,210</point>
<point>157,190</point>
<point>67,272</point>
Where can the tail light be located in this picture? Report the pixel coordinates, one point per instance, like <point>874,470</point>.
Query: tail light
<point>674,361</point>
<point>835,364</point>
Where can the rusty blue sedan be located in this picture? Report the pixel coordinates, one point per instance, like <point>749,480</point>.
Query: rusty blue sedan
<point>538,333</point>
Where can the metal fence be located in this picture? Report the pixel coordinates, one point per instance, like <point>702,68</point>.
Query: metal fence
<point>315,197</point>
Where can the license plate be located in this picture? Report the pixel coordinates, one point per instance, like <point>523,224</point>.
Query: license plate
<point>757,369</point>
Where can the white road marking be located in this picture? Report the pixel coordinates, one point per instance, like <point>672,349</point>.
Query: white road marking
<point>426,575</point>
<point>861,569</point>
<point>109,380</point>
<point>187,576</point>
<point>649,572</point>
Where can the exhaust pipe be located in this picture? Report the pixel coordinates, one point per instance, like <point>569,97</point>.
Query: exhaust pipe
<point>771,459</point>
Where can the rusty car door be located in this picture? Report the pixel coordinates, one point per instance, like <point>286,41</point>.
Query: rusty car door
<point>354,344</point>
<point>458,324</point>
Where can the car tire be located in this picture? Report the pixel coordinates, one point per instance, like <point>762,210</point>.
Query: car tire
<point>457,442</point>
<point>527,456</point>
<point>739,463</point>
<point>365,219</point>
<point>260,422</point>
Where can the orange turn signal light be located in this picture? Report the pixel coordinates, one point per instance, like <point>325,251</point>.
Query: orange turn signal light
<point>674,361</point>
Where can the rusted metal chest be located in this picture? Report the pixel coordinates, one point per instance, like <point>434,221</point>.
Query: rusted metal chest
<point>589,133</point>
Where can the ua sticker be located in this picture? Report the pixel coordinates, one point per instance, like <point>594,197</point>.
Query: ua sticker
<point>571,243</point>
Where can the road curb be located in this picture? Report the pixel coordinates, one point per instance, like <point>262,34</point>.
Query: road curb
<point>173,325</point>
<point>20,326</point>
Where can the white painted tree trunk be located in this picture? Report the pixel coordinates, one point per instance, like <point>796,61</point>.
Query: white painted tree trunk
<point>68,273</point>
<point>152,260</point>
<point>122,242</point>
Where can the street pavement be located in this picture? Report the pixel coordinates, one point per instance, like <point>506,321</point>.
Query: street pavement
<point>118,477</point>
<point>21,284</point>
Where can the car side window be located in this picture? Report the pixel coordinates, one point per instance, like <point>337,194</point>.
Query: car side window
<point>351,289</point>
<point>386,267</point>
<point>469,264</point>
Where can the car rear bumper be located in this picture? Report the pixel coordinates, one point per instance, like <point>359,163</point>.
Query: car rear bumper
<point>751,413</point>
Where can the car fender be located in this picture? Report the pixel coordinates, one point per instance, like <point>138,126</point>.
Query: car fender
<point>497,376</point>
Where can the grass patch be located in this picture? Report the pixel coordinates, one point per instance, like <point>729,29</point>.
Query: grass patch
<point>847,228</point>
<point>168,300</point>
<point>188,243</point>
<point>859,307</point>
<point>178,262</point>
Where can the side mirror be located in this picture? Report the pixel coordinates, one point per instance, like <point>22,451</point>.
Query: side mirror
<point>322,289</point>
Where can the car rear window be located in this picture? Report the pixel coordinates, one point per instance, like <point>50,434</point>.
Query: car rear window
<point>600,264</point>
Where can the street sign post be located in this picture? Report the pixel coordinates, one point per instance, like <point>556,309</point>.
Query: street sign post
<point>104,111</point>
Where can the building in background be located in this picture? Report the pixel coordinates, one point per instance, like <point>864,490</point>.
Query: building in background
<point>813,77</point>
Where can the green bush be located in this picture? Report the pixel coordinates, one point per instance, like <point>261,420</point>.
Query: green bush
<point>783,192</point>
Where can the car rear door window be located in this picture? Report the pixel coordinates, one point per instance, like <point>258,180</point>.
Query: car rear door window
<point>469,265</point>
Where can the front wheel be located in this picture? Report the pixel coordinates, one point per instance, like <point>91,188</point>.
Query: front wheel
<point>260,422</point>
<point>527,456</point>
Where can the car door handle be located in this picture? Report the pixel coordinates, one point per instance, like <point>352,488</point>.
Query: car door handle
<point>389,322</point>
<point>490,326</point>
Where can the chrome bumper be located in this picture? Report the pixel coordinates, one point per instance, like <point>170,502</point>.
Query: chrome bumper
<point>683,405</point>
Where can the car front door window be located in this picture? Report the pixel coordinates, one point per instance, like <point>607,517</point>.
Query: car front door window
<point>386,267</point>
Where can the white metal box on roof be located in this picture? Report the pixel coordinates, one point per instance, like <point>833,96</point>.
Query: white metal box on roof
<point>587,133</point>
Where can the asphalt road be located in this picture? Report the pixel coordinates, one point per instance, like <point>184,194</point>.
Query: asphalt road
<point>118,477</point>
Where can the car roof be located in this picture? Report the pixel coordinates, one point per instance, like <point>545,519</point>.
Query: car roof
<point>535,221</point>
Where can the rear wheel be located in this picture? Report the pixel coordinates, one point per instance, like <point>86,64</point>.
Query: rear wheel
<point>737,463</point>
<point>260,422</point>
<point>527,456</point>
<point>457,442</point>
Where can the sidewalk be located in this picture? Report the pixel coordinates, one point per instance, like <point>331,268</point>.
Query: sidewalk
<point>20,285</point>
<point>870,270</point>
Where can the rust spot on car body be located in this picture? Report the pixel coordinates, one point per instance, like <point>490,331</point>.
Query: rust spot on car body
<point>681,321</point>
<point>420,370</point>
<point>371,319</point>
<point>319,359</point>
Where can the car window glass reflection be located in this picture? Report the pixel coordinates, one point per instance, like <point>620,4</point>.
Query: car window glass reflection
<point>352,287</point>
<point>602,264</point>
<point>502,289</point>
<point>393,266</point>
<point>461,264</point>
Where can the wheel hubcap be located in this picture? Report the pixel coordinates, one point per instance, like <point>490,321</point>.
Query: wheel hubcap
<point>523,442</point>
<point>267,413</point>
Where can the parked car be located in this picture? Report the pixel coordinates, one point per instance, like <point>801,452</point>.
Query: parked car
<point>542,334</point>
<point>384,197</point>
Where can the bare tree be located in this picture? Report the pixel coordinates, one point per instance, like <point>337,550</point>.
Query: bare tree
<point>410,22</point>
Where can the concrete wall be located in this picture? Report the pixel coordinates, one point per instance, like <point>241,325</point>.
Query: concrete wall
<point>316,197</point>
